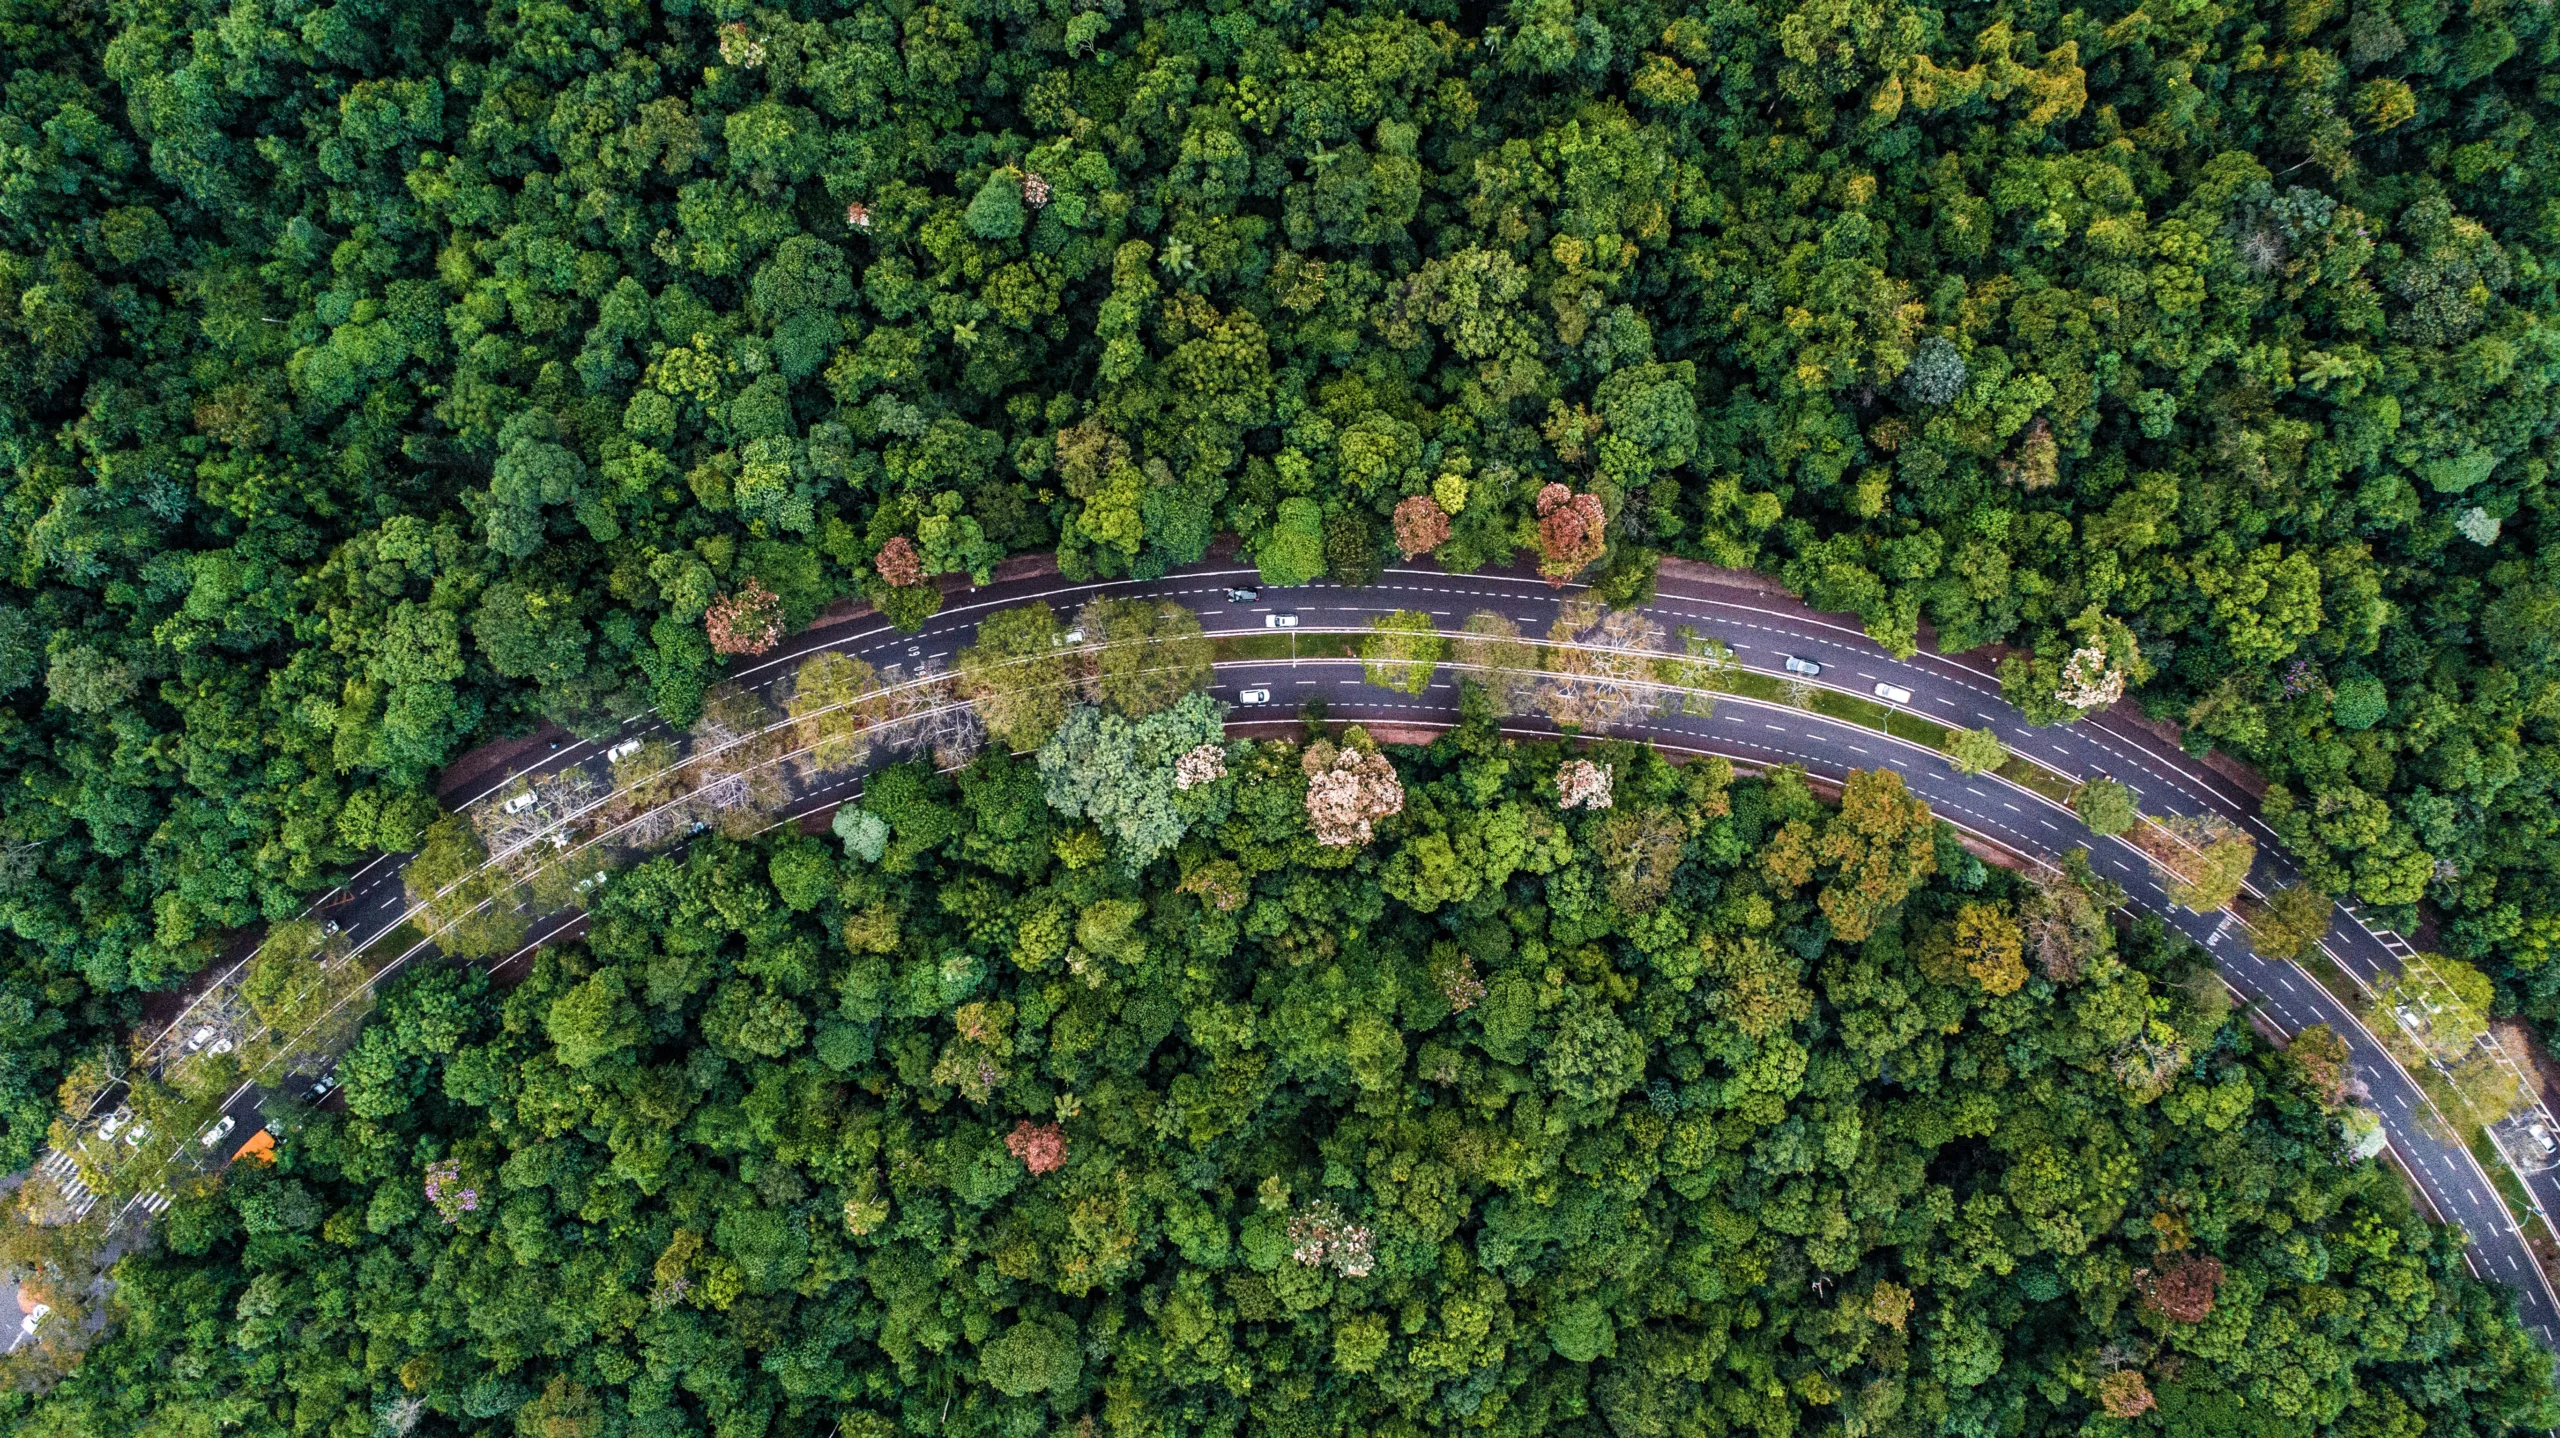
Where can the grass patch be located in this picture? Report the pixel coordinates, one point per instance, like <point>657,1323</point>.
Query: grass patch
<point>1903,724</point>
<point>1286,646</point>
<point>2511,1189</point>
<point>1865,713</point>
<point>1747,685</point>
<point>2329,976</point>
<point>2034,777</point>
<point>395,941</point>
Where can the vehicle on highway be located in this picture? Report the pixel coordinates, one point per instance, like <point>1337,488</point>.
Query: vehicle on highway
<point>116,1121</point>
<point>1799,666</point>
<point>329,929</point>
<point>1280,621</point>
<point>622,751</point>
<point>219,1130</point>
<point>1254,696</point>
<point>323,1087</point>
<point>1893,693</point>
<point>1243,595</point>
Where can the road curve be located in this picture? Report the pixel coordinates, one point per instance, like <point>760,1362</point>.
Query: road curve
<point>1761,625</point>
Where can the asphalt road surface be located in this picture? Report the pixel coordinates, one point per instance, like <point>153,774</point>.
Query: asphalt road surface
<point>1762,627</point>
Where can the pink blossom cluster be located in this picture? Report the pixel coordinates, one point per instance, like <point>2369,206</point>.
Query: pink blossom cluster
<point>1346,791</point>
<point>1581,784</point>
<point>1460,983</point>
<point>446,1193</point>
<point>1204,765</point>
<point>1035,190</point>
<point>1322,1237</point>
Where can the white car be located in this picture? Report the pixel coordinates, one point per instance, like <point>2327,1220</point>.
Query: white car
<point>134,1136</point>
<point>35,1316</point>
<point>1893,694</point>
<point>1280,621</point>
<point>1254,696</point>
<point>202,1036</point>
<point>1793,665</point>
<point>622,751</point>
<point>518,804</point>
<point>116,1121</point>
<point>220,1130</point>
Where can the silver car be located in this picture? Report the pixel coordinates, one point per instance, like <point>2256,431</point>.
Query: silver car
<point>1794,665</point>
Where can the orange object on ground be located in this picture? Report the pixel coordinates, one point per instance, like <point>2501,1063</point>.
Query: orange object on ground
<point>261,1146</point>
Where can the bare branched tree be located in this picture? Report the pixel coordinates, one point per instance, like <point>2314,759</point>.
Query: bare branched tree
<point>1600,667</point>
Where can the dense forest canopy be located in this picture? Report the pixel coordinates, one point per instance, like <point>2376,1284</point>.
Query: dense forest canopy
<point>1573,1094</point>
<point>377,376</point>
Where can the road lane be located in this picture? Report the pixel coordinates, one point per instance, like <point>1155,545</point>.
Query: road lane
<point>1760,630</point>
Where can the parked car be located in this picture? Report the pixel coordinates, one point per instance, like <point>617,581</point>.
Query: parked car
<point>1254,696</point>
<point>218,1130</point>
<point>203,1035</point>
<point>329,928</point>
<point>622,751</point>
<point>35,1318</point>
<point>1280,621</point>
<point>1794,665</point>
<point>1243,595</point>
<point>518,804</point>
<point>324,1086</point>
<point>116,1121</point>
<point>1893,694</point>
<point>134,1136</point>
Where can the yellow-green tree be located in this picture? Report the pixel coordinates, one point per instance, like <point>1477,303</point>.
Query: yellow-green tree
<point>1017,676</point>
<point>1402,651</point>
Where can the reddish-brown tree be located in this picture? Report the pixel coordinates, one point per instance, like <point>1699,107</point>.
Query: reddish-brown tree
<point>899,564</point>
<point>1421,525</point>
<point>1042,1147</point>
<point>1572,532</point>
<point>2182,1290</point>
<point>747,622</point>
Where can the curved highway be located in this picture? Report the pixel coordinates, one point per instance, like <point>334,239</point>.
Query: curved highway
<point>1761,625</point>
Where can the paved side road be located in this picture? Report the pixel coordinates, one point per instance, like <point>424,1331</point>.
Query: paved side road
<point>1761,628</point>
